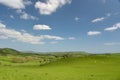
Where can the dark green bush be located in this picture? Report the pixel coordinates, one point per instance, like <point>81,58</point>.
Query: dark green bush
<point>0,63</point>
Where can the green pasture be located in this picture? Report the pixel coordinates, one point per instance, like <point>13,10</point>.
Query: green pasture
<point>90,67</point>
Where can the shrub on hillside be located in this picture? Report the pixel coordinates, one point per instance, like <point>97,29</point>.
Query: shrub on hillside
<point>31,58</point>
<point>19,60</point>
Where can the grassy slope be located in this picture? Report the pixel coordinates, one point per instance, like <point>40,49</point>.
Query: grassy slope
<point>84,68</point>
<point>7,51</point>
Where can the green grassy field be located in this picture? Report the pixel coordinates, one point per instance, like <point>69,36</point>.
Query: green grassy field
<point>91,67</point>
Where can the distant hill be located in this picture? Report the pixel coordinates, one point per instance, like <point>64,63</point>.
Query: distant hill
<point>8,51</point>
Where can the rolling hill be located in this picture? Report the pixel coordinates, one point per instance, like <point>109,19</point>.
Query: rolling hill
<point>8,51</point>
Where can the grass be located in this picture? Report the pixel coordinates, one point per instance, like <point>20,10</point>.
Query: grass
<point>92,67</point>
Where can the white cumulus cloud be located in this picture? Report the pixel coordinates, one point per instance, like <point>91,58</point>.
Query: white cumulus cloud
<point>41,27</point>
<point>16,4</point>
<point>92,33</point>
<point>3,37</point>
<point>54,42</point>
<point>26,16</point>
<point>2,26</point>
<point>50,6</point>
<point>24,36</point>
<point>109,14</point>
<point>52,37</point>
<point>113,28</point>
<point>12,17</point>
<point>77,18</point>
<point>97,19</point>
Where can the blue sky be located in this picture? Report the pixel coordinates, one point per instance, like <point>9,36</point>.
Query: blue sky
<point>60,25</point>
